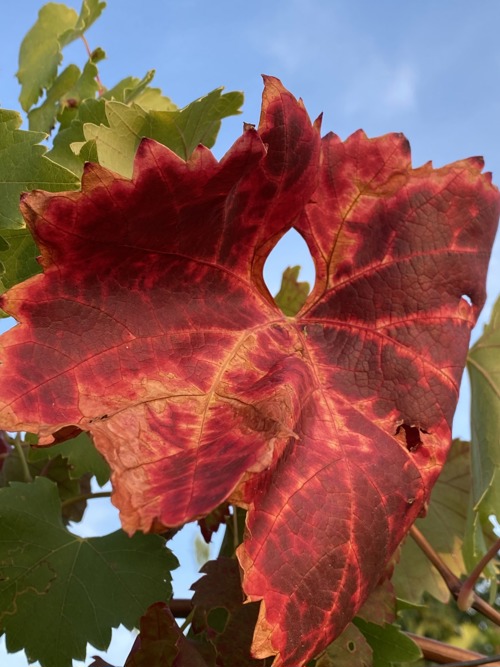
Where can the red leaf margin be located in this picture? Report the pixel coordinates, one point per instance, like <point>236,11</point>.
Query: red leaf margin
<point>331,427</point>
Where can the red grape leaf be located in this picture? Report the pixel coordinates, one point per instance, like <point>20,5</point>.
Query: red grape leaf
<point>220,613</point>
<point>161,642</point>
<point>152,328</point>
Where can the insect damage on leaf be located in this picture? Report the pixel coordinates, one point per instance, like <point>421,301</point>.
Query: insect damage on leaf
<point>153,311</point>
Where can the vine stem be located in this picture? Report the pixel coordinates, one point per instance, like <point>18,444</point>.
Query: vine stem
<point>443,653</point>
<point>101,88</point>
<point>22,457</point>
<point>452,581</point>
<point>85,496</point>
<point>466,594</point>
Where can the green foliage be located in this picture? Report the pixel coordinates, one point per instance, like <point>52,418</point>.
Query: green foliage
<point>388,643</point>
<point>40,54</point>
<point>81,454</point>
<point>115,141</point>
<point>444,527</point>
<point>24,166</point>
<point>292,294</point>
<point>484,371</point>
<point>76,589</point>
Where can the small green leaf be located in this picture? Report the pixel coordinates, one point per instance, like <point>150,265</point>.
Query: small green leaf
<point>117,142</point>
<point>90,111</point>
<point>59,591</point>
<point>350,649</point>
<point>388,643</point>
<point>198,123</point>
<point>444,527</point>
<point>24,166</point>
<point>81,454</point>
<point>483,365</point>
<point>136,90</point>
<point>43,118</point>
<point>117,139</point>
<point>89,13</point>
<point>40,53</point>
<point>17,257</point>
<point>292,294</point>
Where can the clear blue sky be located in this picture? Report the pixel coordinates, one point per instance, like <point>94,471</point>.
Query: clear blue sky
<point>428,69</point>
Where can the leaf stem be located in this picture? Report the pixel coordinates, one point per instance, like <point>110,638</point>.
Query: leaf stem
<point>443,653</point>
<point>181,608</point>
<point>452,581</point>
<point>18,445</point>
<point>84,496</point>
<point>465,595</point>
<point>101,88</point>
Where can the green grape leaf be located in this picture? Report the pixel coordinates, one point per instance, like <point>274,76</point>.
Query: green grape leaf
<point>388,643</point>
<point>89,13</point>
<point>40,53</point>
<point>117,140</point>
<point>351,649</point>
<point>136,90</point>
<point>17,257</point>
<point>24,166</point>
<point>483,365</point>
<point>198,123</point>
<point>292,294</point>
<point>90,111</point>
<point>86,87</point>
<point>444,527</point>
<point>81,454</point>
<point>76,589</point>
<point>43,118</point>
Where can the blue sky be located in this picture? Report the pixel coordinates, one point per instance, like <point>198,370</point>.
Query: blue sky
<point>430,70</point>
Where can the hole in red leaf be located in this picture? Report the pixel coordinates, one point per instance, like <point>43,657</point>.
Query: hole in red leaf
<point>291,250</point>
<point>467,298</point>
<point>410,436</point>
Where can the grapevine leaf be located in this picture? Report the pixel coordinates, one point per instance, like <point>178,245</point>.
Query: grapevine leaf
<point>58,470</point>
<point>117,141</point>
<point>85,87</point>
<point>136,90</point>
<point>444,527</point>
<point>90,111</point>
<point>198,123</point>
<point>24,166</point>
<point>18,257</point>
<point>40,53</point>
<point>161,642</point>
<point>152,329</point>
<point>89,13</point>
<point>351,649</point>
<point>483,365</point>
<point>388,644</point>
<point>219,612</point>
<point>181,130</point>
<point>43,118</point>
<point>380,607</point>
<point>77,589</point>
<point>292,294</point>
<point>81,454</point>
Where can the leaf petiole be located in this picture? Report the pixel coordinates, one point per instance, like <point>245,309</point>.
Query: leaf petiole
<point>18,445</point>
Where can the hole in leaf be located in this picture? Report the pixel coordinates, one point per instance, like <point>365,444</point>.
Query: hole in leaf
<point>289,272</point>
<point>467,298</point>
<point>351,647</point>
<point>410,436</point>
<point>217,619</point>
